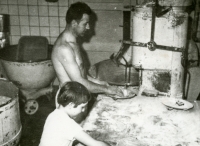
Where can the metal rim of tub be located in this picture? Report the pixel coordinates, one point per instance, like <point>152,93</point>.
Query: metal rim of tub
<point>21,73</point>
<point>27,62</point>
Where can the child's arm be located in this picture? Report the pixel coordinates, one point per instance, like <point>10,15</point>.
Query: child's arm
<point>84,138</point>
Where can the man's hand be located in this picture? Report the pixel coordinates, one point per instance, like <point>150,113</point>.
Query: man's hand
<point>114,90</point>
<point>97,81</point>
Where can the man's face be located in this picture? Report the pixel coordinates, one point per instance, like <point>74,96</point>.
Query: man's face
<point>83,25</point>
<point>75,111</point>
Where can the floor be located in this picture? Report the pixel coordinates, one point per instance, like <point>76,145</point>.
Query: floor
<point>32,125</point>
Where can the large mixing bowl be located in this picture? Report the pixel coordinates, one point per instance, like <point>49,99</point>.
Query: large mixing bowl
<point>33,74</point>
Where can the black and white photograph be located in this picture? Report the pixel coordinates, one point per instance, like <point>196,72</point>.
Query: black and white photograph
<point>99,72</point>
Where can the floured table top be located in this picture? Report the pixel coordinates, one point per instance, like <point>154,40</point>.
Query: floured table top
<point>143,121</point>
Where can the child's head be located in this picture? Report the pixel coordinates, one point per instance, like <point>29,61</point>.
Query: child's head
<point>73,97</point>
<point>73,92</point>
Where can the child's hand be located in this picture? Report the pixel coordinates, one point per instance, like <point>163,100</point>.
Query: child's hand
<point>79,144</point>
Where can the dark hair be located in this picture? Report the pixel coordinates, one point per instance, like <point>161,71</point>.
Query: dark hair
<point>73,92</point>
<point>76,11</point>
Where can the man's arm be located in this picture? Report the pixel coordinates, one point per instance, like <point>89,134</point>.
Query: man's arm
<point>67,59</point>
<point>97,81</point>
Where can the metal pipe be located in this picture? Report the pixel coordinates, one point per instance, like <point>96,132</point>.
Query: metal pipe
<point>195,23</point>
<point>154,8</point>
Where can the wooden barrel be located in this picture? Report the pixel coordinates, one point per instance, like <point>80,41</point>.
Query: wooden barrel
<point>10,123</point>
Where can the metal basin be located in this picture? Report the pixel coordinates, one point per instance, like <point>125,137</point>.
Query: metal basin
<point>33,74</point>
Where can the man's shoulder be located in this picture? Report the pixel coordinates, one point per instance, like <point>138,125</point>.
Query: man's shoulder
<point>63,49</point>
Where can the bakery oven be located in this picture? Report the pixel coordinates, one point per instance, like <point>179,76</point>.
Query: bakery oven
<point>158,48</point>
<point>153,50</point>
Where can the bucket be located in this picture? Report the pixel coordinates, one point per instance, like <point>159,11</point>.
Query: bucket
<point>10,123</point>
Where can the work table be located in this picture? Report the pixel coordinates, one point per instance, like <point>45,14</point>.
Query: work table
<point>143,121</point>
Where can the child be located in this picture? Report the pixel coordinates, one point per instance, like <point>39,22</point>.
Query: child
<point>60,129</point>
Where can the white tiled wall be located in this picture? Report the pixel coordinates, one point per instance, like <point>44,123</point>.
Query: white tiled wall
<point>41,18</point>
<point>34,17</point>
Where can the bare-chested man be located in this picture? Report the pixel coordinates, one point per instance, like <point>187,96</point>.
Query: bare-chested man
<point>66,56</point>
